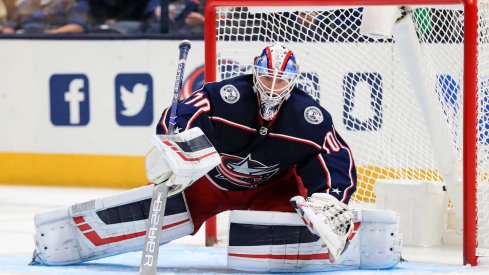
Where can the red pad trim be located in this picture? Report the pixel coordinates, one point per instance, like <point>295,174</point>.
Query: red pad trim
<point>84,227</point>
<point>355,229</point>
<point>183,156</point>
<point>94,237</point>
<point>321,256</point>
<point>78,220</point>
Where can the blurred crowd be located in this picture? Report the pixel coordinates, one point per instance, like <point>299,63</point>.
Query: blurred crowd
<point>186,17</point>
<point>101,16</point>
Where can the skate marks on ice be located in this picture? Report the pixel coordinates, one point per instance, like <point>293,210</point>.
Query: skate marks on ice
<point>174,260</point>
<point>19,204</point>
<point>190,259</point>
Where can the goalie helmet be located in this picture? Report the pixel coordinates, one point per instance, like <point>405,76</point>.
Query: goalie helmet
<point>275,72</point>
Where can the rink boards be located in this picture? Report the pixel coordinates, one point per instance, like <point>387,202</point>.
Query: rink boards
<point>69,121</point>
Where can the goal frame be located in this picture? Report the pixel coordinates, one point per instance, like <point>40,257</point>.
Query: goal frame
<point>470,87</point>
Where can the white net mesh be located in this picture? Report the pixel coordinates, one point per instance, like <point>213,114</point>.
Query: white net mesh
<point>397,125</point>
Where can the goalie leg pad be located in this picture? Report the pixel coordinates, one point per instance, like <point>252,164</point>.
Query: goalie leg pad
<point>266,241</point>
<point>104,227</point>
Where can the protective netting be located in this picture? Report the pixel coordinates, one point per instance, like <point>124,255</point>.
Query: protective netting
<point>398,126</point>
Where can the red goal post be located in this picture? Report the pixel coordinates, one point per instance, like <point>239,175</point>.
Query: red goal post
<point>470,63</point>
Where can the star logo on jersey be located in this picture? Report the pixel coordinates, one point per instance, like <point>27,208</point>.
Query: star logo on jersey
<point>244,172</point>
<point>336,191</point>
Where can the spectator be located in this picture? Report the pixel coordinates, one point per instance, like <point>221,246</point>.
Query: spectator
<point>47,16</point>
<point>185,16</point>
<point>3,12</point>
<point>6,8</point>
<point>122,16</point>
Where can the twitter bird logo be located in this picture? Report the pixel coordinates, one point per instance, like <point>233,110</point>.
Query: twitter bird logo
<point>134,99</point>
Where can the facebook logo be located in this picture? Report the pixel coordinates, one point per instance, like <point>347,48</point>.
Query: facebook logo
<point>134,99</point>
<point>69,99</point>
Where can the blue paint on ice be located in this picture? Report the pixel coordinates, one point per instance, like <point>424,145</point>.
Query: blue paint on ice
<point>181,259</point>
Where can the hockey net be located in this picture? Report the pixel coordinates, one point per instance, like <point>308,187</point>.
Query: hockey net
<point>397,99</point>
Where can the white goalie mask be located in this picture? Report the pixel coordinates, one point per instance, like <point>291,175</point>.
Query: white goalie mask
<point>275,73</point>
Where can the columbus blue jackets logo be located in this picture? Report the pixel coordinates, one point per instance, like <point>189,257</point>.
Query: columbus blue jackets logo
<point>230,94</point>
<point>194,82</point>
<point>244,172</point>
<point>313,115</point>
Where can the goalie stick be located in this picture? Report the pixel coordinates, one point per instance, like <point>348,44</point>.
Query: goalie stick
<point>149,258</point>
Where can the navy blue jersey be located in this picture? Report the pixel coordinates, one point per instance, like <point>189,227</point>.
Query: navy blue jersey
<point>254,151</point>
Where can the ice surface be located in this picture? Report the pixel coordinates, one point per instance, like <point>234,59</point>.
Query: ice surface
<point>19,204</point>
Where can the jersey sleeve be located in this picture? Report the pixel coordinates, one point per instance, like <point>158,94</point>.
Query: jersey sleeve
<point>194,111</point>
<point>332,170</point>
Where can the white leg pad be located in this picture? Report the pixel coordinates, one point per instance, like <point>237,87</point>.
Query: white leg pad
<point>104,227</point>
<point>379,241</point>
<point>267,241</point>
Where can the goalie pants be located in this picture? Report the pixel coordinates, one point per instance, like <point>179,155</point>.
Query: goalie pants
<point>205,199</point>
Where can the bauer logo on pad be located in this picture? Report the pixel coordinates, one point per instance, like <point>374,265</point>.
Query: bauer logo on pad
<point>134,99</point>
<point>69,99</point>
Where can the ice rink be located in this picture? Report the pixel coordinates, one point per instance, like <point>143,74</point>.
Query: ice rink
<point>18,205</point>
